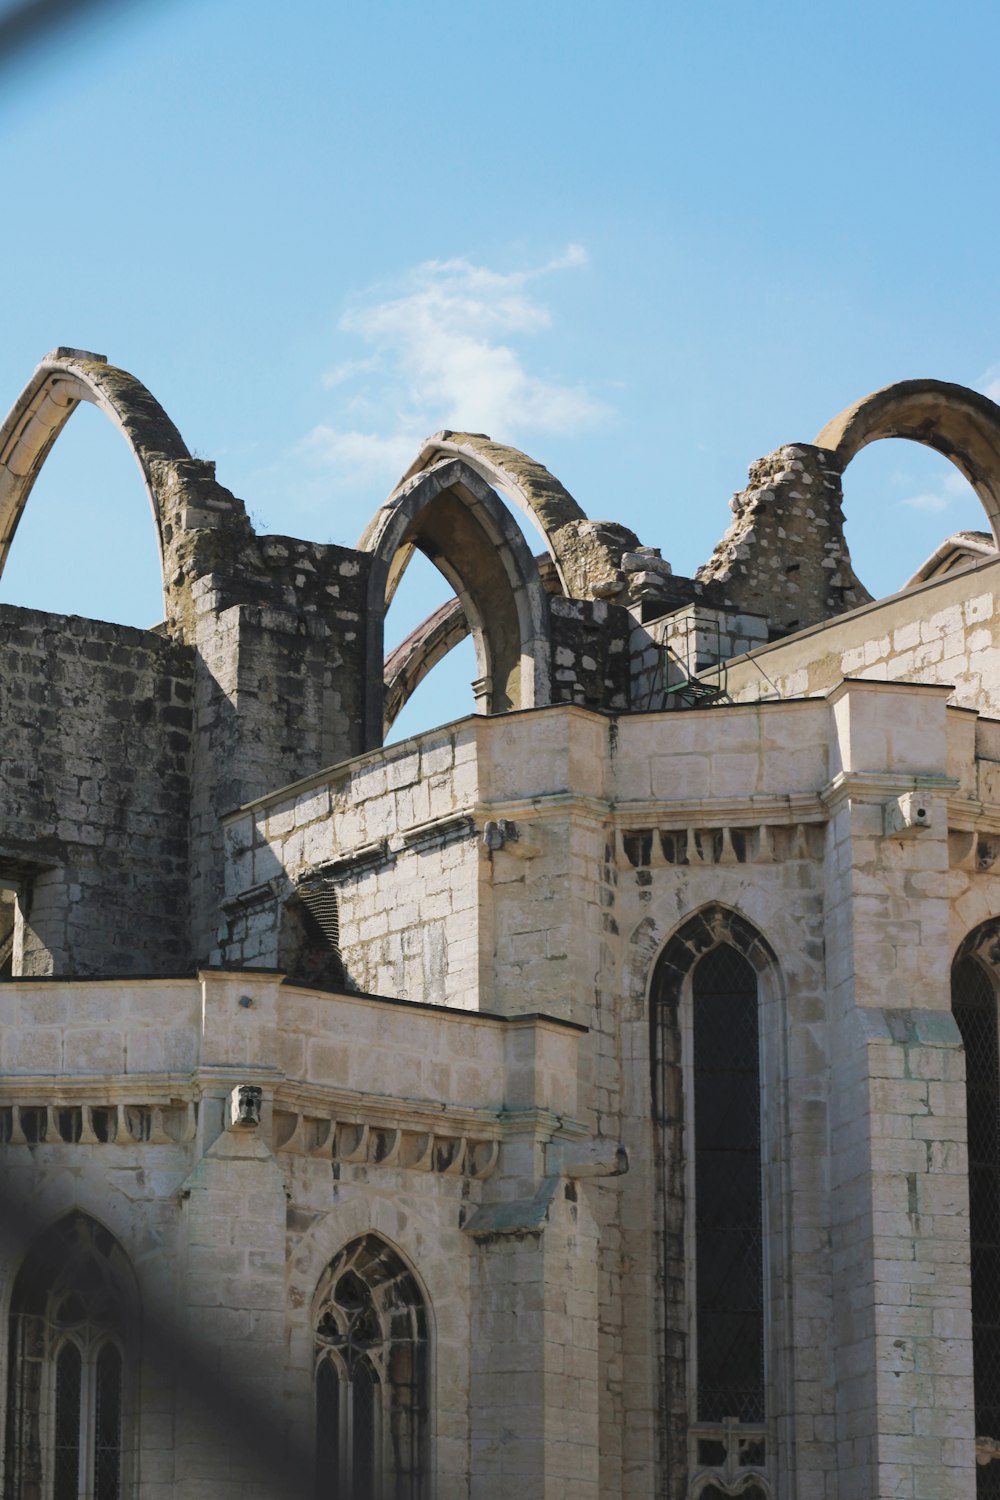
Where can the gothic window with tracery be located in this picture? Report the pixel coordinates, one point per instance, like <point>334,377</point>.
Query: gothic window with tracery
<point>708,1104</point>
<point>974,1001</point>
<point>71,1324</point>
<point>371,1377</point>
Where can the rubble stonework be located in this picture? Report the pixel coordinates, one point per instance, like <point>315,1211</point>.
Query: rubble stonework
<point>368,1083</point>
<point>784,556</point>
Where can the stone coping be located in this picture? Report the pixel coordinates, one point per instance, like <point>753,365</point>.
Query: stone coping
<point>249,976</point>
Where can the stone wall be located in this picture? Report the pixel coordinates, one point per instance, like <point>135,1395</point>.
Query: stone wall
<point>394,833</point>
<point>93,802</point>
<point>945,631</point>
<point>369,1124</point>
<point>785,556</point>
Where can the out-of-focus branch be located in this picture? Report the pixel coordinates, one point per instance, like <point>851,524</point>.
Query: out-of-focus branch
<point>28,24</point>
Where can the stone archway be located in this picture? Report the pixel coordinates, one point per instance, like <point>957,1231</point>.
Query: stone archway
<point>962,425</point>
<point>451,515</point>
<point>198,523</point>
<point>61,381</point>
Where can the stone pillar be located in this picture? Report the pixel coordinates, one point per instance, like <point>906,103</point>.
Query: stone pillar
<point>534,1387</point>
<point>899,1194</point>
<point>229,1347</point>
<point>535,1321</point>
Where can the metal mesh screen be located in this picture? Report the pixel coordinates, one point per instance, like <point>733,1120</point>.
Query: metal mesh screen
<point>321,899</point>
<point>975,1006</point>
<point>66,1448</point>
<point>327,1432</point>
<point>728,1237</point>
<point>363,1433</point>
<point>108,1424</point>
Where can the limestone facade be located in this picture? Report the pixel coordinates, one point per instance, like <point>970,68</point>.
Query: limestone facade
<point>576,1099</point>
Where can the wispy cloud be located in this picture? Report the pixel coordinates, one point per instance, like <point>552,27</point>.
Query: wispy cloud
<point>989,383</point>
<point>444,348</point>
<point>951,489</point>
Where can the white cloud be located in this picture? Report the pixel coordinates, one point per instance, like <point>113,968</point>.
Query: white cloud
<point>989,383</point>
<point>443,349</point>
<point>928,500</point>
<point>951,488</point>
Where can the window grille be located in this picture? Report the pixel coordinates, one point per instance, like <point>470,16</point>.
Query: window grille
<point>69,1326</point>
<point>371,1377</point>
<point>707,1103</point>
<point>320,898</point>
<point>309,941</point>
<point>974,1001</point>
<point>729,1277</point>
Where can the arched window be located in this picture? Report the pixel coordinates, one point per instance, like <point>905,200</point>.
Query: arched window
<point>371,1377</point>
<point>72,1323</point>
<point>974,1001</point>
<point>729,1264</point>
<point>708,1108</point>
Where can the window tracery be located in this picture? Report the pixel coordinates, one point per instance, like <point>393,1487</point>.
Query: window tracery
<point>371,1377</point>
<point>71,1323</point>
<point>707,1083</point>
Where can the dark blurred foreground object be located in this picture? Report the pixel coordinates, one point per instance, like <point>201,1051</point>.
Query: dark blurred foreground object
<point>34,23</point>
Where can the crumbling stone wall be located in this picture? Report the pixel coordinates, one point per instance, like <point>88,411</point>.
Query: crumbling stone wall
<point>590,663</point>
<point>785,555</point>
<point>94,794</point>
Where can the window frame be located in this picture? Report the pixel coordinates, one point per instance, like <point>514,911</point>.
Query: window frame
<point>685,1473</point>
<point>90,1338</point>
<point>333,1348</point>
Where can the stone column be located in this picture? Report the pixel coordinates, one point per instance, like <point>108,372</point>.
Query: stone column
<point>229,1348</point>
<point>534,1388</point>
<point>899,1192</point>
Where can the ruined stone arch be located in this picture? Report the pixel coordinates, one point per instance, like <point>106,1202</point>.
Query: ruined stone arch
<point>453,516</point>
<point>536,492</point>
<point>61,381</point>
<point>418,654</point>
<point>961,424</point>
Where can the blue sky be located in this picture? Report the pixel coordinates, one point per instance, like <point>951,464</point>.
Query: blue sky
<point>647,243</point>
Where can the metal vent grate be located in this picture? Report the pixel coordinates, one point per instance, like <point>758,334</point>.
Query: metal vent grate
<point>320,899</point>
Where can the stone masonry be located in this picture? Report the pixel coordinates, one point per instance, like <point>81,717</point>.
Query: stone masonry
<point>362,1124</point>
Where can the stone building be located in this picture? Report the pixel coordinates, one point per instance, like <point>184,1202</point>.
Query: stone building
<point>597,1097</point>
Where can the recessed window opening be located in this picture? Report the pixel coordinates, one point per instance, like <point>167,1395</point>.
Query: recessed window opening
<point>71,1327</point>
<point>974,1001</point>
<point>707,1014</point>
<point>726,1186</point>
<point>309,940</point>
<point>11,933</point>
<point>371,1377</point>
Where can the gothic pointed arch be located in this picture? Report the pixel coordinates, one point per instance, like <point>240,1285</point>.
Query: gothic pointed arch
<point>371,1376</point>
<point>586,554</point>
<point>61,381</point>
<point>72,1356</point>
<point>200,526</point>
<point>452,516</point>
<point>961,424</point>
<point>707,991</point>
